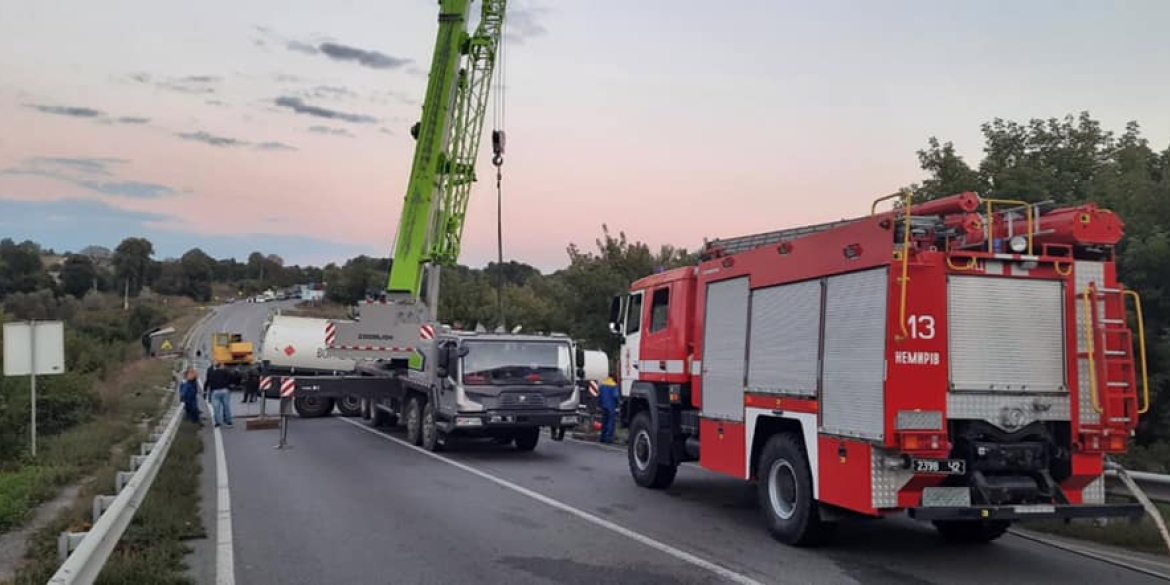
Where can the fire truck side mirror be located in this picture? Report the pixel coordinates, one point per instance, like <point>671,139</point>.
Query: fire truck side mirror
<point>615,315</point>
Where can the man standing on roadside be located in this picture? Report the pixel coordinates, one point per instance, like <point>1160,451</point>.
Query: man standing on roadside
<point>219,382</point>
<point>608,399</point>
<point>189,394</point>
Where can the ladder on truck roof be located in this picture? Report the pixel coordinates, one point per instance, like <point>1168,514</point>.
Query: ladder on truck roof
<point>727,246</point>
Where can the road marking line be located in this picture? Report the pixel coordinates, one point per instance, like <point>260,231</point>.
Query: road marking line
<point>225,573</point>
<point>224,563</point>
<point>639,537</point>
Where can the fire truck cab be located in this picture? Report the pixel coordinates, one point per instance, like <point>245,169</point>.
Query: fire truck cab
<point>961,363</point>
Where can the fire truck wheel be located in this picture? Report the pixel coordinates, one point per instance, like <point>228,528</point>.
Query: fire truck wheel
<point>413,421</point>
<point>349,406</point>
<point>526,439</point>
<point>430,432</point>
<point>785,492</point>
<point>972,531</point>
<point>643,456</point>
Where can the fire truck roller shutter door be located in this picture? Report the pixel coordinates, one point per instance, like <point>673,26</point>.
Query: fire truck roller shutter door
<point>853,378</point>
<point>724,347</point>
<point>785,339</point>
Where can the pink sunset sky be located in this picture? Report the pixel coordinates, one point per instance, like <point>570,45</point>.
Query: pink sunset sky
<point>283,127</point>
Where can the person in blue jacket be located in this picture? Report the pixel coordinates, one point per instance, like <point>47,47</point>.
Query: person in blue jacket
<point>609,396</point>
<point>189,393</point>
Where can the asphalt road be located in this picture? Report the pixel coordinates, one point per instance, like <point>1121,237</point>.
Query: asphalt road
<point>347,504</point>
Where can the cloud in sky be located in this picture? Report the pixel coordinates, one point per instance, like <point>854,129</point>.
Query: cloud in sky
<point>87,113</point>
<point>318,129</point>
<point>372,59</point>
<point>90,165</point>
<point>75,111</point>
<point>212,139</point>
<point>337,51</point>
<point>193,84</point>
<point>80,171</point>
<point>274,146</point>
<point>524,23</point>
<point>299,106</point>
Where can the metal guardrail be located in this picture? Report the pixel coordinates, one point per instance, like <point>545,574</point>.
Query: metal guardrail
<point>112,514</point>
<point>1156,485</point>
<point>84,554</point>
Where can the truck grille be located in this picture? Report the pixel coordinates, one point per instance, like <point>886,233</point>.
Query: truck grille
<point>522,400</point>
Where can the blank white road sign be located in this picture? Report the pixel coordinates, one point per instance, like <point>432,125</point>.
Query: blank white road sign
<point>19,349</point>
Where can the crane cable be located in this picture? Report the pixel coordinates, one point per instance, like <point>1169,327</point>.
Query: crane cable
<point>498,139</point>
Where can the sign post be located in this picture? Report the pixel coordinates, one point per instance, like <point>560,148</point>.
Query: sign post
<point>32,348</point>
<point>288,388</point>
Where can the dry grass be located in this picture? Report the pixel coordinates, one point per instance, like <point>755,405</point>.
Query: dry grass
<point>1140,536</point>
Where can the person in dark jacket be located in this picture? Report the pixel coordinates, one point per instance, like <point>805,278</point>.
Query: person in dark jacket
<point>251,386</point>
<point>189,394</point>
<point>219,382</point>
<point>608,398</point>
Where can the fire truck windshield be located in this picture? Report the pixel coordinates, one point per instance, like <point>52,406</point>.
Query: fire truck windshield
<point>516,362</point>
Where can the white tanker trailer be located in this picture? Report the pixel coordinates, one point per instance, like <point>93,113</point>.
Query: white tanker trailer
<point>295,347</point>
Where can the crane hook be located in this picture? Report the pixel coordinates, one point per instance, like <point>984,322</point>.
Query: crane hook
<point>498,147</point>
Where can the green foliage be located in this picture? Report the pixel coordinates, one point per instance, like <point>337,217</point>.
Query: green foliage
<point>21,269</point>
<point>79,275</point>
<point>1073,160</point>
<point>574,300</point>
<point>97,343</point>
<point>132,263</point>
<point>359,278</point>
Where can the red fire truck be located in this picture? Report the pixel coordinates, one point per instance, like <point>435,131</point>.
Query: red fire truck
<point>965,361</point>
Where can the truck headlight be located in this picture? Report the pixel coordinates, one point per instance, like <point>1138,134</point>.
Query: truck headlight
<point>1018,244</point>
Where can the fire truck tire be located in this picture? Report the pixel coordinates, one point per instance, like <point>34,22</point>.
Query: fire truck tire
<point>526,439</point>
<point>785,493</point>
<point>430,431</point>
<point>312,406</point>
<point>349,406</point>
<point>643,455</point>
<point>413,421</point>
<point>972,531</point>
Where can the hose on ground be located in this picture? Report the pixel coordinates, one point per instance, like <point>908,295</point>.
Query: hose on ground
<point>1141,496</point>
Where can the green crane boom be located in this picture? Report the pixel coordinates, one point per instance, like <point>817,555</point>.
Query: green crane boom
<point>431,228</point>
<point>448,137</point>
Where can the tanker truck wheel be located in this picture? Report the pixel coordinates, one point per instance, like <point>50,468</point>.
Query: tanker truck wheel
<point>430,431</point>
<point>380,417</point>
<point>350,406</point>
<point>413,421</point>
<point>313,406</point>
